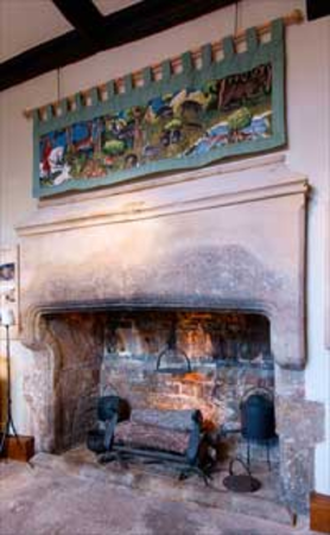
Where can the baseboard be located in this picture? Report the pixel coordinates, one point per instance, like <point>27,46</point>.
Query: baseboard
<point>320,512</point>
<point>21,450</point>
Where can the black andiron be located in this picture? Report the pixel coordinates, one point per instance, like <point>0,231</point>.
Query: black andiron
<point>113,410</point>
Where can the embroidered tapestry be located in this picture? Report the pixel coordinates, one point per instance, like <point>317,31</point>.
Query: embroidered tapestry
<point>223,108</point>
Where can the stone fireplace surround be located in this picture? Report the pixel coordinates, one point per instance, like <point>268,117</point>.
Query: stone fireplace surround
<point>228,237</point>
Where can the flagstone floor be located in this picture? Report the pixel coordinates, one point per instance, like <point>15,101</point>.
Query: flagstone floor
<point>47,500</point>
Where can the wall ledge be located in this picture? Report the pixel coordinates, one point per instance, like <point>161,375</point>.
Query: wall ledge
<point>228,184</point>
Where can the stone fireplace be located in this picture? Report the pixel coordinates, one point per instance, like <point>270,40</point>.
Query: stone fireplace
<point>220,254</point>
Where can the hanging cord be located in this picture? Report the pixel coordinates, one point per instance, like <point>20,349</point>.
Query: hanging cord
<point>58,80</point>
<point>237,16</point>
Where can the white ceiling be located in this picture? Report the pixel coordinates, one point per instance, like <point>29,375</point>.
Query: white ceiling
<point>27,23</point>
<point>109,6</point>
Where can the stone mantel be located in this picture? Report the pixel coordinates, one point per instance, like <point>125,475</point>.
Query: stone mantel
<point>226,236</point>
<point>217,186</point>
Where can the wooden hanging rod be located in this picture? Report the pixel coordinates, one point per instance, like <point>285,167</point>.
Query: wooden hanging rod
<point>295,17</point>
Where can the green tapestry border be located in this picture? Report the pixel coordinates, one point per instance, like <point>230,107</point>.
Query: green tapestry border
<point>257,53</point>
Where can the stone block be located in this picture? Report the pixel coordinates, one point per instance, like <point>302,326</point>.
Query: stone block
<point>297,475</point>
<point>300,420</point>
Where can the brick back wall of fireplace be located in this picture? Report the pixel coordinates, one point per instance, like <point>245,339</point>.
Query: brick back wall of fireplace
<point>229,353</point>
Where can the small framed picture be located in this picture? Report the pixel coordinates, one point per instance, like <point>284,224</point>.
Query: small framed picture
<point>9,286</point>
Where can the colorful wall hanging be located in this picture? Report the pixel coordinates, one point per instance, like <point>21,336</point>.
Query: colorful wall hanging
<point>224,108</point>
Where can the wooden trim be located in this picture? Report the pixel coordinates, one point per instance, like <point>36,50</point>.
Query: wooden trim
<point>320,512</point>
<point>22,451</point>
<point>317,9</point>
<point>86,19</point>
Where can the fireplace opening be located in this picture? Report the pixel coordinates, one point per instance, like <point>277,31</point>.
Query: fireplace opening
<point>215,357</point>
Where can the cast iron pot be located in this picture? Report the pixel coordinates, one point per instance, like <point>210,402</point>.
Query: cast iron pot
<point>258,414</point>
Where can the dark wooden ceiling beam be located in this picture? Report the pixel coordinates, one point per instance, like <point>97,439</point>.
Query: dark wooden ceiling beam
<point>43,58</point>
<point>135,22</point>
<point>152,16</point>
<point>85,18</point>
<point>317,9</point>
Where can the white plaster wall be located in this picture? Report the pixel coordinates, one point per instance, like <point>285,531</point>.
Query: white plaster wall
<point>309,149</point>
<point>308,104</point>
<point>2,135</point>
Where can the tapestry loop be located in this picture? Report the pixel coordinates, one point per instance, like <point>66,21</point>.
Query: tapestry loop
<point>166,70</point>
<point>128,84</point>
<point>111,91</point>
<point>187,62</point>
<point>147,76</point>
<point>206,56</point>
<point>94,96</point>
<point>64,109</point>
<point>252,40</point>
<point>49,112</point>
<point>277,31</point>
<point>78,102</point>
<point>228,48</point>
<point>36,117</point>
